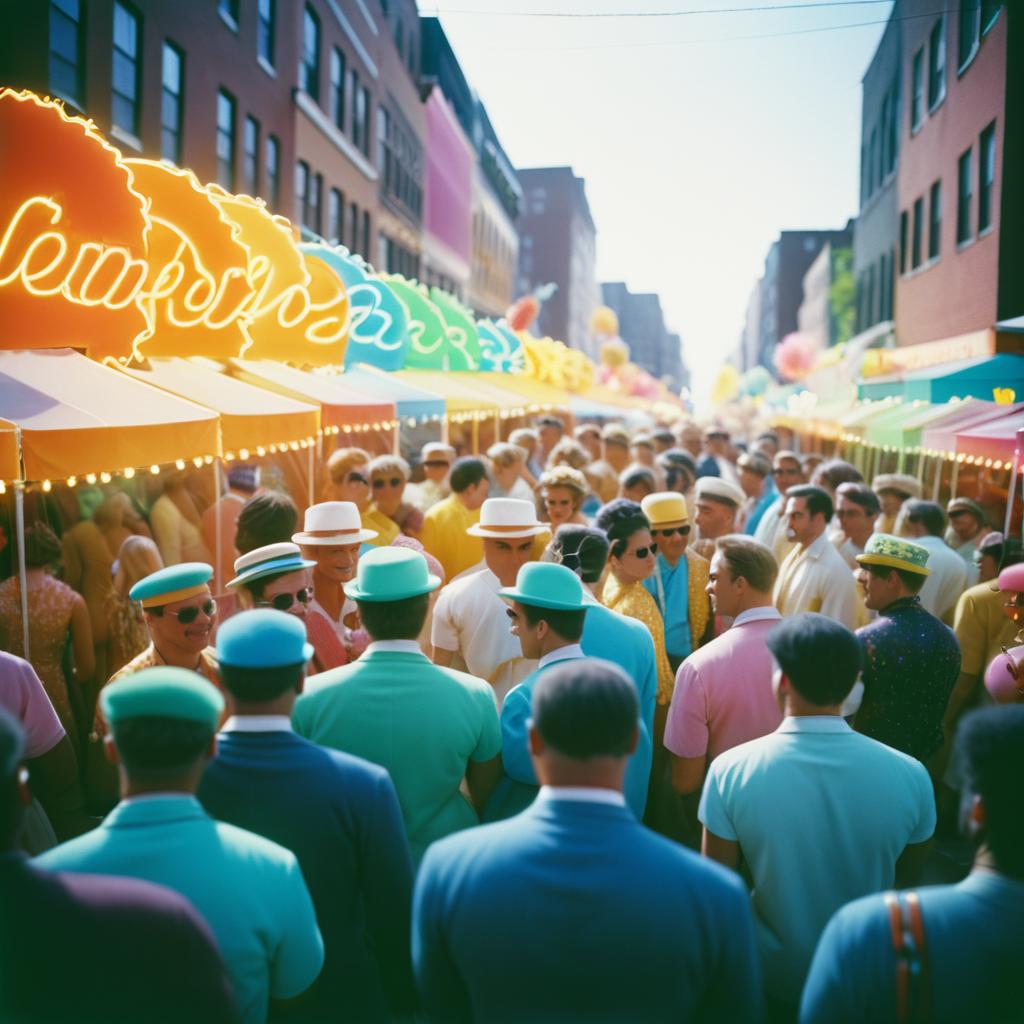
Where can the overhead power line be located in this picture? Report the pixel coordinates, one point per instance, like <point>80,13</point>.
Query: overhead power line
<point>771,8</point>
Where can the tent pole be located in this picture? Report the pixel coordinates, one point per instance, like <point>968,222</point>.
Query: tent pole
<point>396,443</point>
<point>952,481</point>
<point>1012,492</point>
<point>311,466</point>
<point>938,478</point>
<point>19,518</point>
<point>218,468</point>
<point>476,436</point>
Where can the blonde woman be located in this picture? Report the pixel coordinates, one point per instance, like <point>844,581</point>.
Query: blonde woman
<point>390,514</point>
<point>562,492</point>
<point>507,464</point>
<point>348,477</point>
<point>127,635</point>
<point>568,453</point>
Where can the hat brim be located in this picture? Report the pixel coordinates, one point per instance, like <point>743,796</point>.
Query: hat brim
<point>527,531</point>
<point>354,591</point>
<point>670,524</point>
<point>536,601</point>
<point>894,563</point>
<point>279,567</point>
<point>314,540</point>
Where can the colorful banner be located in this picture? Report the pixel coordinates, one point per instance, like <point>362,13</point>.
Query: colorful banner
<point>462,348</point>
<point>500,350</point>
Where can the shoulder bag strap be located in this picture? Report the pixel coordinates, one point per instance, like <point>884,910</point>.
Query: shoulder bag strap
<point>913,979</point>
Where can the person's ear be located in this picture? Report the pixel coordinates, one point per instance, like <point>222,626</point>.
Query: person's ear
<point>534,740</point>
<point>211,750</point>
<point>634,740</point>
<point>978,815</point>
<point>110,750</point>
<point>300,683</point>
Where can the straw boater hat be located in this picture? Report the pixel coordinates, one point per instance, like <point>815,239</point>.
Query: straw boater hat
<point>756,462</point>
<point>665,510</point>
<point>174,583</point>
<point>333,522</point>
<point>896,553</point>
<point>435,452</point>
<point>900,483</point>
<point>717,489</point>
<point>612,433</point>
<point>507,518</point>
<point>959,506</point>
<point>269,560</point>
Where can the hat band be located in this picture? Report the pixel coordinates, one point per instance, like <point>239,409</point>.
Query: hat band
<point>893,562</point>
<point>353,531</point>
<point>509,529</point>
<point>159,600</point>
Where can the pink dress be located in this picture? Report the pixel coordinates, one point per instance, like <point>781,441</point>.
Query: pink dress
<point>49,615</point>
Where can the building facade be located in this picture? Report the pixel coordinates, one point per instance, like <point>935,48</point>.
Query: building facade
<point>642,326</point>
<point>959,229</point>
<point>558,244</point>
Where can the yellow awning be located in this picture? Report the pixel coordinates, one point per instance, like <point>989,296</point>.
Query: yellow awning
<point>539,396</point>
<point>250,416</point>
<point>460,396</point>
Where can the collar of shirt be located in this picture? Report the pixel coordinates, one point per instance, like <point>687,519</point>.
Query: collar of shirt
<point>257,723</point>
<point>757,615</point>
<point>399,646</point>
<point>154,809</point>
<point>562,654</point>
<point>813,723</point>
<point>583,794</point>
<point>900,604</point>
<point>817,548</point>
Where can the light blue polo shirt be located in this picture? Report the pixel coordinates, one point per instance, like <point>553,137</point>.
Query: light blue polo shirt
<point>821,814</point>
<point>250,890</point>
<point>675,583</point>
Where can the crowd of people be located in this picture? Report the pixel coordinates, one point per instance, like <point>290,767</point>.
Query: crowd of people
<point>599,726</point>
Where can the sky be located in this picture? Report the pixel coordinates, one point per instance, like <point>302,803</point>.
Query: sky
<point>700,135</point>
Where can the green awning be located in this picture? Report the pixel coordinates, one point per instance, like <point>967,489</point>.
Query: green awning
<point>887,427</point>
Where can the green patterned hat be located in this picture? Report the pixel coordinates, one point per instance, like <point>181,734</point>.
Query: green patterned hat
<point>895,552</point>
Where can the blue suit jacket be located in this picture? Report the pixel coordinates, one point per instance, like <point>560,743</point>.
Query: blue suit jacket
<point>573,911</point>
<point>339,815</point>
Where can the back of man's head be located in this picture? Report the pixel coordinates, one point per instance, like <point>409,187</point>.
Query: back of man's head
<point>12,746</point>
<point>583,549</point>
<point>820,658</point>
<point>750,559</point>
<point>927,514</point>
<point>586,709</point>
<point>466,471</point>
<point>991,748</point>
<point>156,750</point>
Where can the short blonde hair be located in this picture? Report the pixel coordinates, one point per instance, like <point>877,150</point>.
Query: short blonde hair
<point>524,434</point>
<point>568,453</point>
<point>389,464</point>
<point>505,454</point>
<point>746,557</point>
<point>343,460</point>
<point>564,476</point>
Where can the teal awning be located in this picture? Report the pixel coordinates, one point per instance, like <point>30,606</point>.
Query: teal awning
<point>974,378</point>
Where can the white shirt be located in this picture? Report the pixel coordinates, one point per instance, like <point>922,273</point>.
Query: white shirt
<point>470,619</point>
<point>757,615</point>
<point>947,580</point>
<point>848,550</point>
<point>771,522</point>
<point>816,579</point>
<point>562,654</point>
<point>257,723</point>
<point>583,794</point>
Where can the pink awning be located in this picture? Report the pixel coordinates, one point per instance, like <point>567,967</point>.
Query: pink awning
<point>996,440</point>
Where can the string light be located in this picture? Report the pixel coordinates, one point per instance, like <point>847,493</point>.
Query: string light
<point>129,472</point>
<point>180,464</point>
<point>105,478</point>
<point>47,487</point>
<point>198,462</point>
<point>3,487</point>
<point>154,469</point>
<point>90,478</point>
<point>72,481</point>
<point>243,453</point>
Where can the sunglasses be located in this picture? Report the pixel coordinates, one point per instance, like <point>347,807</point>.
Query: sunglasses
<point>644,552</point>
<point>357,478</point>
<point>186,616</point>
<point>683,531</point>
<point>395,481</point>
<point>791,471</point>
<point>282,602</point>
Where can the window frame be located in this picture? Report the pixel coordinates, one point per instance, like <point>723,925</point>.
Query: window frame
<point>273,170</point>
<point>964,60</point>
<point>224,95</point>
<point>136,101</point>
<point>338,91</point>
<point>55,9</point>
<point>918,91</point>
<point>935,222</point>
<point>904,240</point>
<point>917,234</point>
<point>266,31</point>
<point>335,215</point>
<point>964,220</point>
<point>995,11</point>
<point>179,131</point>
<point>254,179</point>
<point>986,148</point>
<point>302,175</point>
<point>228,12</point>
<point>310,74</point>
<point>937,73</point>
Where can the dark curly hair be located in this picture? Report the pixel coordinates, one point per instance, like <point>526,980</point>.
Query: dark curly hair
<point>42,547</point>
<point>619,520</point>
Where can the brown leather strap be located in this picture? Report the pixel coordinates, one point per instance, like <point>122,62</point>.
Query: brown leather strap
<point>913,976</point>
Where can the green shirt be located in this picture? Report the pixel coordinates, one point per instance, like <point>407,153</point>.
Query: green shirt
<point>421,722</point>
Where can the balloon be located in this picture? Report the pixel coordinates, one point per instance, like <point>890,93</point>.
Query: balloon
<point>1001,677</point>
<point>614,353</point>
<point>794,356</point>
<point>726,386</point>
<point>522,313</point>
<point>604,321</point>
<point>755,381</point>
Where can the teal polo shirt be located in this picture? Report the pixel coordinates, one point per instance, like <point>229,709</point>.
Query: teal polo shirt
<point>821,814</point>
<point>250,890</point>
<point>675,584</point>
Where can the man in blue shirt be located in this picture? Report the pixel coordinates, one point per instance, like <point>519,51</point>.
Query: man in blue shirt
<point>573,910</point>
<point>972,931</point>
<point>250,890</point>
<point>820,813</point>
<point>337,813</point>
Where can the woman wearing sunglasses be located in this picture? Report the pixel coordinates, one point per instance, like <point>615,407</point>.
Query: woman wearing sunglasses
<point>390,514</point>
<point>631,560</point>
<point>277,576</point>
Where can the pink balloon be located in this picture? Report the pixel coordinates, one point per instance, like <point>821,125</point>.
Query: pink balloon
<point>999,680</point>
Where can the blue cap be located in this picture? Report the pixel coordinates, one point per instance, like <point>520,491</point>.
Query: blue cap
<point>547,585</point>
<point>163,692</point>
<point>175,583</point>
<point>391,574</point>
<point>263,638</point>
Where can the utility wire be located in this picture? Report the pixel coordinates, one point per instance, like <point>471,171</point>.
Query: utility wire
<point>781,8</point>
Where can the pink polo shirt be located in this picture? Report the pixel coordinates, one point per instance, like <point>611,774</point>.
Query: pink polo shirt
<point>723,694</point>
<point>23,696</point>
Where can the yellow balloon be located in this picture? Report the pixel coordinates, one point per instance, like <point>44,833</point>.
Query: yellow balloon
<point>726,386</point>
<point>604,321</point>
<point>614,353</point>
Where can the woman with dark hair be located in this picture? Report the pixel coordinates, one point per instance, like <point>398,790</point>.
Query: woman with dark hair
<point>55,611</point>
<point>631,560</point>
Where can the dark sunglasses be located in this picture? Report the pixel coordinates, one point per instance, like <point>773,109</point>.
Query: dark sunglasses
<point>186,616</point>
<point>644,552</point>
<point>783,471</point>
<point>357,478</point>
<point>683,531</point>
<point>395,481</point>
<point>282,602</point>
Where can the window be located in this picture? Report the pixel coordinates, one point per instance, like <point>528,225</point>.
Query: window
<point>883,139</point>
<point>170,103</point>
<point>125,101</point>
<point>964,192</point>
<point>66,56</point>
<point>383,150</point>
<point>251,157</point>
<point>353,228</point>
<point>365,248</point>
<point>309,66</point>
<point>903,242</point>
<point>986,176</point>
<point>863,175</point>
<point>989,13</point>
<point>970,31</point>
<point>226,140</point>
<point>935,220</point>
<point>893,129</point>
<point>338,87</point>
<point>937,64</point>
<point>301,191</point>
<point>917,91</point>
<point>316,188</point>
<point>265,22</point>
<point>872,162</point>
<point>273,171</point>
<point>335,216</point>
<point>228,10</point>
<point>869,300</point>
<point>915,253</point>
<point>360,116</point>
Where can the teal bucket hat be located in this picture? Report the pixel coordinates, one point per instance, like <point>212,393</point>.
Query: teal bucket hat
<point>547,585</point>
<point>391,574</point>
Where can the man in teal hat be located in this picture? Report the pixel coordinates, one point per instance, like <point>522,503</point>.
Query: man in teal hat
<point>180,614</point>
<point>547,612</point>
<point>428,726</point>
<point>337,813</point>
<point>250,890</point>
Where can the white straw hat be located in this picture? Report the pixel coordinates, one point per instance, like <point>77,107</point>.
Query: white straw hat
<point>505,518</point>
<point>333,522</point>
